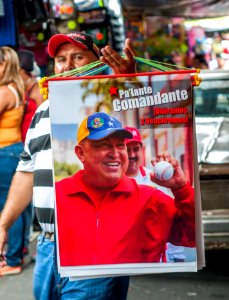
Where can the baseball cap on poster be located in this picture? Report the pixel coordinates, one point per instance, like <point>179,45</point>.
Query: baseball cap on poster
<point>136,136</point>
<point>78,39</point>
<point>99,126</point>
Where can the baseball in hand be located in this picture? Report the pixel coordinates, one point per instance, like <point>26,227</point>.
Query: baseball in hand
<point>163,170</point>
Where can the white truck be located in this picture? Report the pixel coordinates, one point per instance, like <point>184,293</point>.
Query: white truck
<point>212,126</point>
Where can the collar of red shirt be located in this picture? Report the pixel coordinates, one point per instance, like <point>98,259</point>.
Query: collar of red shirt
<point>75,184</point>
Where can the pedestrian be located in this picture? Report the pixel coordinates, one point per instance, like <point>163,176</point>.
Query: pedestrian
<point>11,112</point>
<point>141,174</point>
<point>34,175</point>
<point>111,218</point>
<point>33,99</point>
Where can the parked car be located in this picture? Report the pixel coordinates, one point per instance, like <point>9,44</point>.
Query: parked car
<point>211,100</point>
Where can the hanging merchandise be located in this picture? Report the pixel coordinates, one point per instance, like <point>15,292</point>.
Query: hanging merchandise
<point>63,9</point>
<point>99,36</point>
<point>95,23</point>
<point>34,29</point>
<point>73,15</point>
<point>30,14</point>
<point>102,22</point>
<point>197,40</point>
<point>64,14</point>
<point>66,26</point>
<point>85,5</point>
<point>92,17</point>
<point>33,20</point>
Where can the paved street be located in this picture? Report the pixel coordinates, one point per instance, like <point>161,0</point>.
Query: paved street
<point>17,287</point>
<point>210,283</point>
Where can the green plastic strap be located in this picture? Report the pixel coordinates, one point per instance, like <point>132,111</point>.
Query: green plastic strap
<point>79,70</point>
<point>94,71</point>
<point>159,65</point>
<point>97,67</point>
<point>153,64</point>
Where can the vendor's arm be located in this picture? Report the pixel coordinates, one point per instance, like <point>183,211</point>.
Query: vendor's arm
<point>118,64</point>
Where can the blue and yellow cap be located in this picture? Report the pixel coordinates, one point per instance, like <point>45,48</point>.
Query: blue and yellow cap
<point>99,126</point>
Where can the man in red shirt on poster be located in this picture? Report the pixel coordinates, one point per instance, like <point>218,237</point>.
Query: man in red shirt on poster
<point>111,218</point>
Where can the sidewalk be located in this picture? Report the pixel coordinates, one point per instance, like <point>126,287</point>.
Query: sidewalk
<point>19,287</point>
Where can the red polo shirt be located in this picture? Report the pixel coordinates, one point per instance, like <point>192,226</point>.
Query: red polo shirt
<point>129,224</point>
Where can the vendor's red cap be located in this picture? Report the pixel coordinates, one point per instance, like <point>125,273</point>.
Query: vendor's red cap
<point>79,39</point>
<point>136,135</point>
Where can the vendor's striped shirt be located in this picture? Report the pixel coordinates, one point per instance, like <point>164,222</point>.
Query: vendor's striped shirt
<point>37,158</point>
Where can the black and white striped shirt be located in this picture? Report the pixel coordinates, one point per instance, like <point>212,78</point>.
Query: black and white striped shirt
<point>37,158</point>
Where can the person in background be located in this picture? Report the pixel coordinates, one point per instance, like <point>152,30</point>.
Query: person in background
<point>177,59</point>
<point>35,175</point>
<point>29,72</point>
<point>222,60</point>
<point>219,61</point>
<point>142,176</point>
<point>200,62</point>
<point>11,113</point>
<point>33,97</point>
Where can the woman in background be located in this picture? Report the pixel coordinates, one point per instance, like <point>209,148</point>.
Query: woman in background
<point>11,114</point>
<point>29,72</point>
<point>33,98</point>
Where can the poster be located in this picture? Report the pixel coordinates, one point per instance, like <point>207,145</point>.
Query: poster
<point>160,107</point>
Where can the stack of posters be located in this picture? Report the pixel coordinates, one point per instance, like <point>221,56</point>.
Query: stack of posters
<point>160,106</point>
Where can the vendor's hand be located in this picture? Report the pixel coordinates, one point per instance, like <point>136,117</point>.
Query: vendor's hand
<point>118,64</point>
<point>178,179</point>
<point>3,240</point>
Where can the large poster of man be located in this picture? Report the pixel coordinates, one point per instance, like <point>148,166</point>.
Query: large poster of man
<point>108,220</point>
